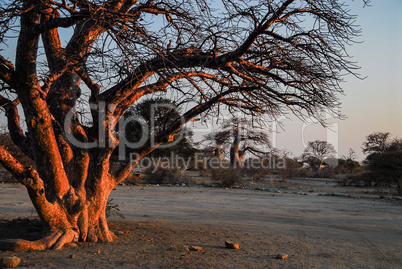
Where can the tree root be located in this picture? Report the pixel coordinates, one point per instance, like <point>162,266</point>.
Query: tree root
<point>55,240</point>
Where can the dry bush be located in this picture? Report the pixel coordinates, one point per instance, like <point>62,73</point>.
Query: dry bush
<point>369,179</point>
<point>293,169</point>
<point>326,172</point>
<point>294,173</point>
<point>254,174</point>
<point>226,177</point>
<point>113,209</point>
<point>133,179</point>
<point>361,180</point>
<point>162,175</point>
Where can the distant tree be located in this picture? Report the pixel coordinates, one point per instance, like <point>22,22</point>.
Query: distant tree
<point>385,158</point>
<point>241,137</point>
<point>315,153</point>
<point>146,120</point>
<point>351,155</point>
<point>386,167</point>
<point>376,142</point>
<point>394,145</point>
<point>348,163</point>
<point>216,143</point>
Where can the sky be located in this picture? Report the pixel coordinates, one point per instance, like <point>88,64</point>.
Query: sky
<point>373,104</point>
<point>370,105</point>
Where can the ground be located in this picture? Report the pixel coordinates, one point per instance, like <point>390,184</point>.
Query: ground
<point>313,222</point>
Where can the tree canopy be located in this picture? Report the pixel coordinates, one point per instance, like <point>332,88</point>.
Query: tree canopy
<point>257,57</point>
<point>316,151</point>
<point>385,158</point>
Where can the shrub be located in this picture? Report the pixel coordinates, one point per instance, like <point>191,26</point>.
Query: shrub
<point>326,172</point>
<point>226,177</point>
<point>361,180</point>
<point>133,179</point>
<point>113,209</point>
<point>162,175</point>
<point>294,173</point>
<point>254,174</point>
<point>348,166</point>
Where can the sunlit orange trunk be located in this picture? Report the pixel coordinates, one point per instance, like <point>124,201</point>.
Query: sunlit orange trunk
<point>235,159</point>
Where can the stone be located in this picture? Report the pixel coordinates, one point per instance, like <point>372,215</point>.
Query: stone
<point>194,248</point>
<point>231,245</point>
<point>10,262</point>
<point>119,233</point>
<point>73,257</point>
<point>282,256</point>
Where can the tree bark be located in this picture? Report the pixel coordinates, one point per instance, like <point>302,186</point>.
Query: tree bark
<point>218,153</point>
<point>235,160</point>
<point>78,216</point>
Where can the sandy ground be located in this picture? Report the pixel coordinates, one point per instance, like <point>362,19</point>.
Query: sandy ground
<point>315,230</point>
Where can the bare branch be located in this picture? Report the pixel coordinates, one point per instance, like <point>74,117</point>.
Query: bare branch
<point>13,124</point>
<point>7,72</point>
<point>25,175</point>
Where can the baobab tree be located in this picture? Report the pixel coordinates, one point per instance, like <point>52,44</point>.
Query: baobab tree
<point>258,57</point>
<point>216,142</point>
<point>241,137</point>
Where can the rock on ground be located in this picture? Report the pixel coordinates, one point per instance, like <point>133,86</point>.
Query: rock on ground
<point>9,262</point>
<point>194,248</point>
<point>232,245</point>
<point>282,256</point>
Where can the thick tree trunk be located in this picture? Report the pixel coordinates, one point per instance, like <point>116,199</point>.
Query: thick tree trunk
<point>234,156</point>
<point>218,153</point>
<point>89,224</point>
<point>235,160</point>
<point>321,163</point>
<point>80,215</point>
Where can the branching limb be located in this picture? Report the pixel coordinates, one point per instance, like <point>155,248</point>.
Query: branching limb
<point>57,22</point>
<point>161,86</point>
<point>25,175</point>
<point>7,73</point>
<point>14,127</point>
<point>169,133</point>
<point>264,25</point>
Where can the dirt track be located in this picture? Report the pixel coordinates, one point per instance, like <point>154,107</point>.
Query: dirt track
<point>315,231</point>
